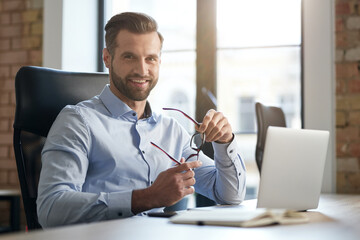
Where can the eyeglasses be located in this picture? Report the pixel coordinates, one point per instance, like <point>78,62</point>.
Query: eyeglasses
<point>196,142</point>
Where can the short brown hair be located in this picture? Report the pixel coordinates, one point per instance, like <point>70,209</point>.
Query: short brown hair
<point>131,21</point>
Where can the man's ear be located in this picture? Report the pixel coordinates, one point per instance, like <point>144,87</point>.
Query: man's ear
<point>106,57</point>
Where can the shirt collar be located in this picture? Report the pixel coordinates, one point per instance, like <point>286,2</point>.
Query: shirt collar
<point>118,108</point>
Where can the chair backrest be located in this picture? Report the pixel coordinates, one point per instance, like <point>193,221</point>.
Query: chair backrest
<point>266,116</point>
<point>41,93</point>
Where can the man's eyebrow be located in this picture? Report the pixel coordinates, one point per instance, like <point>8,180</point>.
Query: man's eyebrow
<point>154,55</point>
<point>127,53</point>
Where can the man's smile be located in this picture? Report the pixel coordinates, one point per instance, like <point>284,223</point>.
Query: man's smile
<point>139,82</point>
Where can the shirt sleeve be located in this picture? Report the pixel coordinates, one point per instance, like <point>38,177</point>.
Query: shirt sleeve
<point>64,167</point>
<point>225,180</point>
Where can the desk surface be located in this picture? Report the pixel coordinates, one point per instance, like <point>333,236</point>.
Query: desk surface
<point>337,217</point>
<point>9,192</point>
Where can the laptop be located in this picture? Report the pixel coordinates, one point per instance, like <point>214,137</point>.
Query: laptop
<point>291,178</point>
<point>292,168</point>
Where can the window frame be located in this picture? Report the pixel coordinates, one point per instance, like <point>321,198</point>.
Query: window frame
<point>206,49</point>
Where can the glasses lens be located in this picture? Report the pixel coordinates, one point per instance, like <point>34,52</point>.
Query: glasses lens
<point>197,140</point>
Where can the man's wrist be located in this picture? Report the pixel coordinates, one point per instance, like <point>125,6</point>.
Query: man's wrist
<point>227,140</point>
<point>141,201</point>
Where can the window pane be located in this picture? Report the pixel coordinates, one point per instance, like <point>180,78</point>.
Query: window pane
<point>244,23</point>
<point>267,75</point>
<point>178,34</point>
<point>176,86</point>
<point>246,114</point>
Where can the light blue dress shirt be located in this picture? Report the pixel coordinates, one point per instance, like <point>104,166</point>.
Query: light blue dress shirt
<point>97,152</point>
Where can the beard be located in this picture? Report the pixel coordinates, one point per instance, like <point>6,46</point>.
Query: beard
<point>129,91</point>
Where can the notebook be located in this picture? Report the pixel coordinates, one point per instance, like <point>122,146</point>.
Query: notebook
<point>240,217</point>
<point>292,168</point>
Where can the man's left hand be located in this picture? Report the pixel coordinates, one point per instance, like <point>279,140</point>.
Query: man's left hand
<point>216,127</point>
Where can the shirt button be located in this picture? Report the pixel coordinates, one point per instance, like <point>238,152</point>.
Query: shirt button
<point>151,182</point>
<point>143,152</point>
<point>134,114</point>
<point>231,151</point>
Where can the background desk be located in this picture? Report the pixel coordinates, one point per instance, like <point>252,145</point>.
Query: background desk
<point>13,197</point>
<point>338,217</point>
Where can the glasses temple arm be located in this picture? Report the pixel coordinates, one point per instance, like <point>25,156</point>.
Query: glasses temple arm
<point>190,118</point>
<point>173,159</point>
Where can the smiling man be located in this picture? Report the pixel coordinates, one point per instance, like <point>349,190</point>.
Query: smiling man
<point>98,162</point>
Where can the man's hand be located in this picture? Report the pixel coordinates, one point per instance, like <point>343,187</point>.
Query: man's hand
<point>168,188</point>
<point>216,127</point>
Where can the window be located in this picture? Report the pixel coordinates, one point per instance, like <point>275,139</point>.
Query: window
<point>259,54</point>
<point>258,60</point>
<point>246,115</point>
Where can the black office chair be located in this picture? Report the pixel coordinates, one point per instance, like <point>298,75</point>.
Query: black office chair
<point>40,95</point>
<point>266,116</point>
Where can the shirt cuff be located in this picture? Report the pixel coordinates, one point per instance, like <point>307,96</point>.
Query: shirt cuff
<point>119,205</point>
<point>226,149</point>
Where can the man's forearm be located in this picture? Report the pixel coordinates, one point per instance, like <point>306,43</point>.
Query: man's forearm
<point>169,187</point>
<point>142,200</point>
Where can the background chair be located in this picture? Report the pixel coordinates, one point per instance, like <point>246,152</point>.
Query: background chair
<point>40,95</point>
<point>266,116</point>
<point>201,200</point>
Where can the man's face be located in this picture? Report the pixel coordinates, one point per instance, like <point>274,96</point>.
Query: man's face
<point>134,68</point>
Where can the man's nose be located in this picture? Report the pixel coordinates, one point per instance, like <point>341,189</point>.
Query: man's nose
<point>141,68</point>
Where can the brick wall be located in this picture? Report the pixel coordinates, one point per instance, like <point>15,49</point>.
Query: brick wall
<point>20,44</point>
<point>347,31</point>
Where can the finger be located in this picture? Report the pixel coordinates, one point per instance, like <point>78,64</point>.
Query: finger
<point>216,118</point>
<point>212,131</point>
<point>217,137</point>
<point>218,131</point>
<point>187,166</point>
<point>182,160</point>
<point>188,174</point>
<point>206,120</point>
<point>189,182</point>
<point>189,190</point>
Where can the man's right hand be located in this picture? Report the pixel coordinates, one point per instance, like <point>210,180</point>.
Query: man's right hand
<point>168,188</point>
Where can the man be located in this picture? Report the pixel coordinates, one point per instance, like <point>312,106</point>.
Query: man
<point>98,162</point>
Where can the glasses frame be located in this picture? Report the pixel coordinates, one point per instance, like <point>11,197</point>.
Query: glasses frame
<point>190,118</point>
<point>172,159</point>
<point>191,140</point>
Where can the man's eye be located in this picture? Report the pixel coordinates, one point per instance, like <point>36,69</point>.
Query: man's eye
<point>128,56</point>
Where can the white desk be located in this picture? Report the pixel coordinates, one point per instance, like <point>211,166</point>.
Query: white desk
<point>338,217</point>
